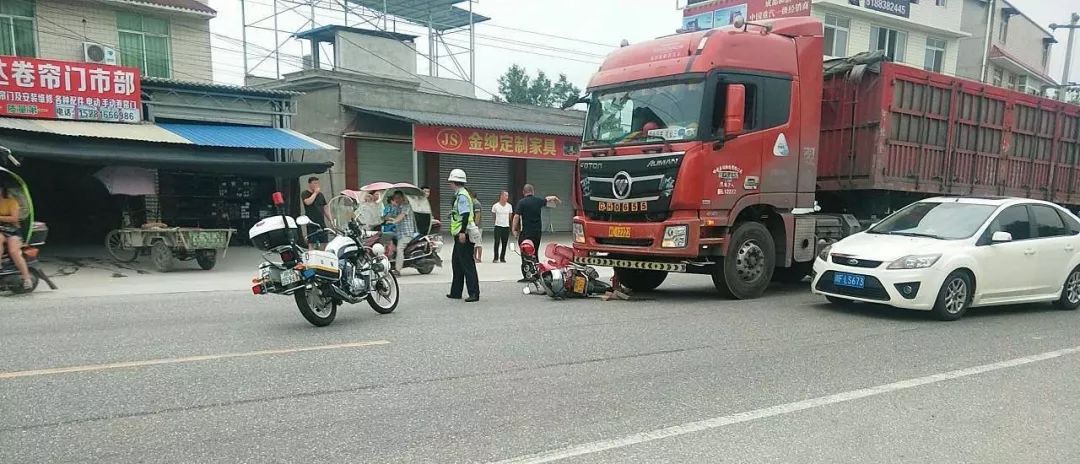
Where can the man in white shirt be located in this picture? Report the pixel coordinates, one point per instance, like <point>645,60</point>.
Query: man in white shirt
<point>501,211</point>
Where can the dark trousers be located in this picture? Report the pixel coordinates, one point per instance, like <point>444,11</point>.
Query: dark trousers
<point>464,270</point>
<point>502,237</point>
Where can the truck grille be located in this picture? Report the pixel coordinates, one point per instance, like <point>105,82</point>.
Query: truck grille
<point>635,242</point>
<point>639,217</point>
<point>873,290</point>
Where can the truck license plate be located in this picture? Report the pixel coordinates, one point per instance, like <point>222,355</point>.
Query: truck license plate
<point>289,277</point>
<point>618,231</point>
<point>842,279</point>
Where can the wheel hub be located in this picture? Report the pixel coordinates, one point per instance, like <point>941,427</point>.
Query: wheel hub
<point>956,296</point>
<point>1072,288</point>
<point>750,261</point>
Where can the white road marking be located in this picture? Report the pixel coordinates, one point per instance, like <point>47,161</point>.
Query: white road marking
<point>747,416</point>
<point>156,362</point>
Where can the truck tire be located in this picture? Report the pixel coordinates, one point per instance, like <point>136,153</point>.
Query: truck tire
<point>640,280</point>
<point>747,269</point>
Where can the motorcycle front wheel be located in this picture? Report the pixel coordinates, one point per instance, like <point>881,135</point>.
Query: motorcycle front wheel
<point>384,297</point>
<point>316,305</point>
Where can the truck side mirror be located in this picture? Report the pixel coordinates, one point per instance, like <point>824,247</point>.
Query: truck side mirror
<point>734,110</point>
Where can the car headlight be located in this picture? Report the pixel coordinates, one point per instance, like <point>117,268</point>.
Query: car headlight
<point>915,262</point>
<point>579,233</point>
<point>675,236</point>
<point>824,253</point>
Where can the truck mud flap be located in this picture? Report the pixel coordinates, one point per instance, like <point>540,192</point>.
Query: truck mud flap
<point>630,264</point>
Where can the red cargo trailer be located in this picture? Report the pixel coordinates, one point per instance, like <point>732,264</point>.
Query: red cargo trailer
<point>907,133</point>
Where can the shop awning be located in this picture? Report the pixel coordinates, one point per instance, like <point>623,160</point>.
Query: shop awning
<point>182,157</point>
<point>472,122</point>
<point>245,137</point>
<point>140,132</point>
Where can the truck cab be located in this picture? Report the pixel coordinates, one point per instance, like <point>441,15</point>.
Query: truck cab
<point>699,153</point>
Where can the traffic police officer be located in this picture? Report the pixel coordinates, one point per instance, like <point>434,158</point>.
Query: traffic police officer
<point>460,217</point>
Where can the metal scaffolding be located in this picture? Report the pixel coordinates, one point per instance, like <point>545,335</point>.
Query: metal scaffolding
<point>442,21</point>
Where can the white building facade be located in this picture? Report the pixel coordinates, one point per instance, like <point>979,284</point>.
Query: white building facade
<point>920,33</point>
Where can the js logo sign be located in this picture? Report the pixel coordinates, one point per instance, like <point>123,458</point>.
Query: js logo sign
<point>449,139</point>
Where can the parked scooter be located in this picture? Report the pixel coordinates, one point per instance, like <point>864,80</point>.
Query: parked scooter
<point>422,253</point>
<point>10,277</point>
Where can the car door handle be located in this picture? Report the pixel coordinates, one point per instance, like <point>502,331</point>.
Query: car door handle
<point>1069,248</point>
<point>1029,252</point>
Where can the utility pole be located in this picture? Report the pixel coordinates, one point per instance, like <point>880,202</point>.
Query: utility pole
<point>990,14</point>
<point>1072,26</point>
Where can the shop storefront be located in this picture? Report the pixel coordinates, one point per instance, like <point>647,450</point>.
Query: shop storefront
<point>103,149</point>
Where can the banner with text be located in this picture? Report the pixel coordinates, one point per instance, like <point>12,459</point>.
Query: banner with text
<point>894,7</point>
<point>51,89</point>
<point>718,13</point>
<point>465,141</point>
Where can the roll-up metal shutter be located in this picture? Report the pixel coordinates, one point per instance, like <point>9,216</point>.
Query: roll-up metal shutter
<point>553,178</point>
<point>488,177</point>
<point>382,161</point>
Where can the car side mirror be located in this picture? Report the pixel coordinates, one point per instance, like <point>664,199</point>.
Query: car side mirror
<point>1001,237</point>
<point>303,221</point>
<point>734,110</point>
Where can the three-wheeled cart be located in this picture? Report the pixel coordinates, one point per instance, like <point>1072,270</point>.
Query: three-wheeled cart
<point>166,246</point>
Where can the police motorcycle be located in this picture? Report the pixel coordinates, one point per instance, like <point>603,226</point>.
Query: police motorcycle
<point>353,268</point>
<point>33,233</point>
<point>560,277</point>
<point>422,252</point>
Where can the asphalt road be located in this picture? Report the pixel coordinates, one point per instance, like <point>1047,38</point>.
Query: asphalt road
<point>683,377</point>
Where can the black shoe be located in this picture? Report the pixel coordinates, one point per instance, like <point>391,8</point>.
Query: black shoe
<point>452,297</point>
<point>502,261</point>
<point>472,299</point>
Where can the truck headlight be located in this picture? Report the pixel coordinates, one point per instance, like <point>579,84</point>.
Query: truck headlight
<point>675,236</point>
<point>915,262</point>
<point>579,233</point>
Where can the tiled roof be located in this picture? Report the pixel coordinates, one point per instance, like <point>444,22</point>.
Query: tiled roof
<point>194,6</point>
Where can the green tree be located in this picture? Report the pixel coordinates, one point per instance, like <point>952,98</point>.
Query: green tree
<point>516,86</point>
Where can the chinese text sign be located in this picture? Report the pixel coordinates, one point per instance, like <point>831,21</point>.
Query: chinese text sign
<point>719,13</point>
<point>51,89</point>
<point>495,143</point>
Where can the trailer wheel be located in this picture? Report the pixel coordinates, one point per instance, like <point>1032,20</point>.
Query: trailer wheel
<point>640,280</point>
<point>747,269</point>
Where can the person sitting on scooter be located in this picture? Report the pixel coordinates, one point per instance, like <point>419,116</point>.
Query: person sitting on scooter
<point>392,215</point>
<point>11,234</point>
<point>406,231</point>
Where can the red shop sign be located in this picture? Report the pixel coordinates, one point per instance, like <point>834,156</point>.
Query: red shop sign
<point>464,141</point>
<point>51,89</point>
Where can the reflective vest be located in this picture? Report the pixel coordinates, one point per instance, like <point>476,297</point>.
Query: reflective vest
<point>455,216</point>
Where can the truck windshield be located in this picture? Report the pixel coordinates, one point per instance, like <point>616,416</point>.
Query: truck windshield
<point>944,221</point>
<point>645,114</point>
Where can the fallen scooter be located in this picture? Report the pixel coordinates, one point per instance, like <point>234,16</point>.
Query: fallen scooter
<point>560,277</point>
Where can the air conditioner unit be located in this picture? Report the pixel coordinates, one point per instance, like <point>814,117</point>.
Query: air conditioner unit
<point>97,53</point>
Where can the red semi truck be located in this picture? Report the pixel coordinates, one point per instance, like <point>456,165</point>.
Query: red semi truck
<point>736,152</point>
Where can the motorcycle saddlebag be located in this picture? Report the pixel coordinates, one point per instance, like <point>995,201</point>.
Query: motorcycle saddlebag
<point>325,264</point>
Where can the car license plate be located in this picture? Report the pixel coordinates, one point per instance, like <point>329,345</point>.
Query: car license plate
<point>849,280</point>
<point>289,277</point>
<point>618,231</point>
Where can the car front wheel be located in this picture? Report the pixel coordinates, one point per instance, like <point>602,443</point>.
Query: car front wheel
<point>954,297</point>
<point>1070,293</point>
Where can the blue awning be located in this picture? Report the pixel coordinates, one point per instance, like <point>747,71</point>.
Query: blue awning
<point>233,136</point>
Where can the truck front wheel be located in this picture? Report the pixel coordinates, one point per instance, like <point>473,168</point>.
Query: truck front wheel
<point>640,280</point>
<point>748,267</point>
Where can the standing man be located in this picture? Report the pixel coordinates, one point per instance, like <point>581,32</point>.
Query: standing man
<point>460,218</point>
<point>528,219</point>
<point>315,209</point>
<point>501,213</point>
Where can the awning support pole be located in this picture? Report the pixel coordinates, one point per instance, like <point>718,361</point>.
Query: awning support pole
<point>415,160</point>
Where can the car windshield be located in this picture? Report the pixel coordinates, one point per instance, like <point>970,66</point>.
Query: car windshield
<point>645,114</point>
<point>945,221</point>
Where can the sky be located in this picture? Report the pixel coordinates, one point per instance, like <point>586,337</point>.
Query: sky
<point>556,36</point>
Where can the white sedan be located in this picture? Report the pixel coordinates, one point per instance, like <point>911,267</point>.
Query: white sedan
<point>949,254</point>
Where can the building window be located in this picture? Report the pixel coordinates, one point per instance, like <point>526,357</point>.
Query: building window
<point>836,35</point>
<point>891,41</point>
<point>144,44</point>
<point>1003,28</point>
<point>17,28</point>
<point>940,2</point>
<point>999,75</point>
<point>1012,82</point>
<point>1021,83</point>
<point>935,54</point>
